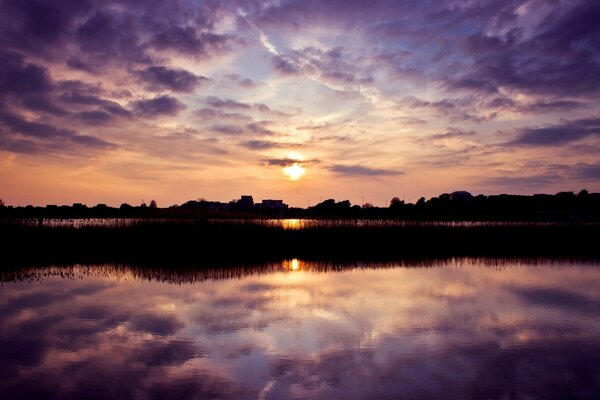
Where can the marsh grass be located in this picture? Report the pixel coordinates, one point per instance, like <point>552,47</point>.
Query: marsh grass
<point>199,242</point>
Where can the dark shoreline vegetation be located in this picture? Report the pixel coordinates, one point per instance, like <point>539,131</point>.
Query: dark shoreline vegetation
<point>199,243</point>
<point>456,206</point>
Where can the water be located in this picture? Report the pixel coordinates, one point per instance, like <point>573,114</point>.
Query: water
<point>461,329</point>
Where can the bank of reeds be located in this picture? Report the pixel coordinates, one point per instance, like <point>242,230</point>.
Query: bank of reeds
<point>200,242</point>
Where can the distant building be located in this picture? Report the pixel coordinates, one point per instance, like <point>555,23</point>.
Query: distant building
<point>245,203</point>
<point>274,205</point>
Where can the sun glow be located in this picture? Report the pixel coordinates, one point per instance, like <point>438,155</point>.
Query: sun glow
<point>292,265</point>
<point>294,171</point>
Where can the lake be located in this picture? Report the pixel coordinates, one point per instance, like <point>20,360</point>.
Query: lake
<point>453,329</point>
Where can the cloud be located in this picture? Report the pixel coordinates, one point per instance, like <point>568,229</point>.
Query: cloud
<point>210,114</point>
<point>259,129</point>
<point>452,134</point>
<point>227,129</point>
<point>91,141</point>
<point>43,104</point>
<point>522,181</point>
<point>178,80</point>
<point>216,102</point>
<point>555,135</point>
<point>535,107</point>
<point>556,58</point>
<point>19,77</point>
<point>286,162</point>
<point>95,117</point>
<point>587,171</point>
<point>262,144</point>
<point>158,106</point>
<point>240,81</point>
<point>559,298</point>
<point>50,135</point>
<point>187,40</point>
<point>111,35</point>
<point>34,129</point>
<point>163,325</point>
<point>361,170</point>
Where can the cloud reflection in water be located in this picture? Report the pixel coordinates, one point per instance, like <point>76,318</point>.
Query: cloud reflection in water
<point>459,329</point>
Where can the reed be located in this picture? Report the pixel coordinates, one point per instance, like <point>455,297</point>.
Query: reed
<point>198,242</point>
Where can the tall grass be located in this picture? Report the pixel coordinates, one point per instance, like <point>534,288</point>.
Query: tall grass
<point>196,242</point>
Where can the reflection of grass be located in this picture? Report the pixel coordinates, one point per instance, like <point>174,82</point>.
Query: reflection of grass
<point>170,273</point>
<point>196,241</point>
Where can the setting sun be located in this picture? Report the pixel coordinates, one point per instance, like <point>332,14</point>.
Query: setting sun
<point>294,172</point>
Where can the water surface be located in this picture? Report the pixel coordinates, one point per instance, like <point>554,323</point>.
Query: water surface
<point>461,329</point>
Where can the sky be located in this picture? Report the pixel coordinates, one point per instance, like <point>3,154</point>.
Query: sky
<point>107,101</point>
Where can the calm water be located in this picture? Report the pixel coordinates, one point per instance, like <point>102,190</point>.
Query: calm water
<point>467,329</point>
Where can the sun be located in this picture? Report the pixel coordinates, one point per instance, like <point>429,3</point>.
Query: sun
<point>294,171</point>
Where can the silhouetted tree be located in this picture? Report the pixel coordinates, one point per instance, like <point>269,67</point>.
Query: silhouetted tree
<point>153,204</point>
<point>2,203</point>
<point>396,202</point>
<point>583,194</point>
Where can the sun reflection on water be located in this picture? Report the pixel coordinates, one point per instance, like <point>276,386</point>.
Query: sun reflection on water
<point>293,265</point>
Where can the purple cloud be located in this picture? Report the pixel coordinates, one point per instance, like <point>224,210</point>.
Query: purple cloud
<point>158,106</point>
<point>227,103</point>
<point>554,135</point>
<point>362,170</point>
<point>162,78</point>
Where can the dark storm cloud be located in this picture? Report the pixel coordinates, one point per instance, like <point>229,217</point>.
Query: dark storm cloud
<point>160,105</point>
<point>362,170</point>
<point>555,135</point>
<point>178,80</point>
